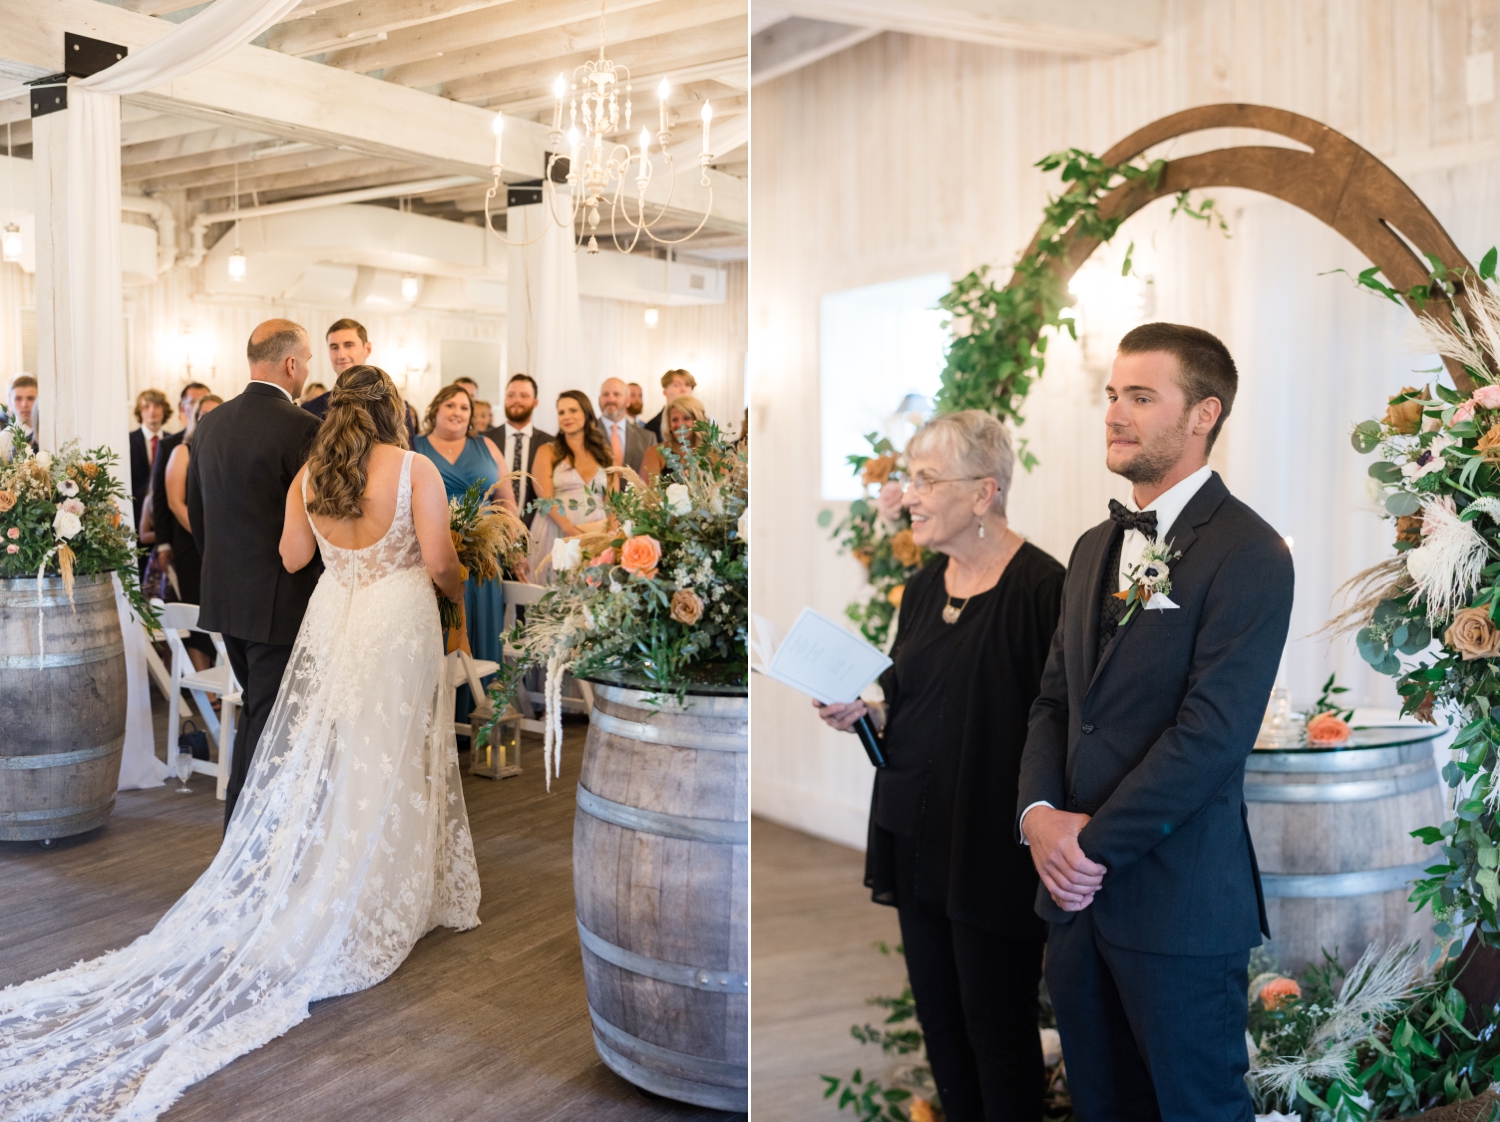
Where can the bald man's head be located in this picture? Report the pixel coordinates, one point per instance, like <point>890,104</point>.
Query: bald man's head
<point>279,351</point>
<point>614,396</point>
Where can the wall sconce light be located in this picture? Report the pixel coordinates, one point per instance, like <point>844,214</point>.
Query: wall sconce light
<point>10,243</point>
<point>237,264</point>
<point>411,287</point>
<point>653,317</point>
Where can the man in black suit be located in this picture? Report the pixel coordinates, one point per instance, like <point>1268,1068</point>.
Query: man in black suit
<point>674,383</point>
<point>245,455</point>
<point>162,521</point>
<point>152,411</point>
<point>518,439</point>
<point>20,408</point>
<point>1132,780</point>
<point>349,346</point>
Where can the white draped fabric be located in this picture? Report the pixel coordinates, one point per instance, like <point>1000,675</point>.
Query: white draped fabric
<point>545,325</point>
<point>80,316</point>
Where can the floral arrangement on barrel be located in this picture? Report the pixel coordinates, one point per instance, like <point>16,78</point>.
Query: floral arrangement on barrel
<point>60,515</point>
<point>1328,723</point>
<point>1438,478</point>
<point>660,600</point>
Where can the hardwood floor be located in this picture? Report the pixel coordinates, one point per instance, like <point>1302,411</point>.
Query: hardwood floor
<point>486,1024</point>
<point>813,966</point>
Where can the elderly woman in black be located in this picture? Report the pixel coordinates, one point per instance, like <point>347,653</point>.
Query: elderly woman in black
<point>975,626</point>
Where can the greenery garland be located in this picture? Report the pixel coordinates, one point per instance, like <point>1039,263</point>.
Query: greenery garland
<point>998,350</point>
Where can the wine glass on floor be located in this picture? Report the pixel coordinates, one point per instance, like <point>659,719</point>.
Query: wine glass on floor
<point>184,770</point>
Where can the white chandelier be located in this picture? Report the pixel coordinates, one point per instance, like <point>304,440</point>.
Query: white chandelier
<point>598,168</point>
<point>11,247</point>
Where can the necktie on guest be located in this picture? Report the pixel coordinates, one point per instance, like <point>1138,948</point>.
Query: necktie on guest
<point>155,440</point>
<point>617,442</point>
<point>515,465</point>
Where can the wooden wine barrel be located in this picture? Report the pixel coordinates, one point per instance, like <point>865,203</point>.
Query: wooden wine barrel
<point>1332,833</point>
<point>661,877</point>
<point>62,707</point>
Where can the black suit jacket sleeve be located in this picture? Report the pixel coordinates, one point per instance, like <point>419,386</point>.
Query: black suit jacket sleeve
<point>1044,763</point>
<point>195,502</point>
<point>1235,653</point>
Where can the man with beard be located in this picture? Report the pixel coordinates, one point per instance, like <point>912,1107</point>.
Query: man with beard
<point>518,439</point>
<point>1132,780</point>
<point>637,404</point>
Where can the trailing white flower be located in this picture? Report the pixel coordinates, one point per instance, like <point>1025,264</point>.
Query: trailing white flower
<point>567,553</point>
<point>1445,568</point>
<point>679,499</point>
<point>66,524</point>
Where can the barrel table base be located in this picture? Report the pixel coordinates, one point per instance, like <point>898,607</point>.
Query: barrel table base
<point>661,881</point>
<point>1332,834</point>
<point>62,707</point>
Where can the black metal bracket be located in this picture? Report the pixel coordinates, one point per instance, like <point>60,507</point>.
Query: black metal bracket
<point>84,57</point>
<point>49,94</point>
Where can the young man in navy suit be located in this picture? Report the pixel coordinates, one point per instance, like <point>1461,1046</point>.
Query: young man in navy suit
<point>1132,780</point>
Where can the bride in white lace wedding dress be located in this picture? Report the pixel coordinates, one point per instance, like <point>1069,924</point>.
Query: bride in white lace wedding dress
<point>350,840</point>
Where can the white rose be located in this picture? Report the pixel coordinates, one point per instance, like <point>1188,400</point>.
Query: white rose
<point>743,526</point>
<point>679,499</point>
<point>66,524</point>
<point>566,554</point>
<point>68,488</point>
<point>45,459</point>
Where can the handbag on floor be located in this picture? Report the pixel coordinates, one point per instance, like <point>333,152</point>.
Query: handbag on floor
<point>195,741</point>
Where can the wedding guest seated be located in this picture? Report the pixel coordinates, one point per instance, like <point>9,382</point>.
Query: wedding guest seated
<point>976,625</point>
<point>484,417</point>
<point>20,407</point>
<point>187,562</point>
<point>570,469</point>
<point>683,413</point>
<point>310,391</point>
<point>463,458</point>
<point>674,383</point>
<point>628,442</point>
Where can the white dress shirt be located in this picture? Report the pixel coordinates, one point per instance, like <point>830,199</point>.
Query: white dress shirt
<point>279,386</point>
<point>1169,506</point>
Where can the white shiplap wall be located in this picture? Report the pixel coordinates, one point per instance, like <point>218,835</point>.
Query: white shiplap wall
<point>908,155</point>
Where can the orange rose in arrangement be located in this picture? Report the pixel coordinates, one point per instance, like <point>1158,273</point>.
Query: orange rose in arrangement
<point>1327,728</point>
<point>640,555</point>
<point>1409,529</point>
<point>904,548</point>
<point>878,469</point>
<point>605,558</point>
<point>1278,991</point>
<point>921,1111</point>
<point>894,596</point>
<point>1407,416</point>
<point>1489,444</point>
<point>7,500</point>
<point>686,606</point>
<point>863,556</point>
<point>1473,634</point>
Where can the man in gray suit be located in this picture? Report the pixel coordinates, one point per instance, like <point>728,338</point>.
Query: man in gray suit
<point>627,440</point>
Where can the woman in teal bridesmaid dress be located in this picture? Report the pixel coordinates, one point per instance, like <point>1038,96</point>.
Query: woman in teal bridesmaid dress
<point>463,458</point>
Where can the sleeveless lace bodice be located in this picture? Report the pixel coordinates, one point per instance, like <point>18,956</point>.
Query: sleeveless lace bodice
<point>396,552</point>
<point>349,841</point>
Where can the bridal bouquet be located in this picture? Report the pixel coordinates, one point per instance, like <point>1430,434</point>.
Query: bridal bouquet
<point>60,516</point>
<point>1429,613</point>
<point>488,539</point>
<point>660,600</point>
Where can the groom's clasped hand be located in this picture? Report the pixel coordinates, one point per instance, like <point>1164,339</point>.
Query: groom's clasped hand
<point>1070,878</point>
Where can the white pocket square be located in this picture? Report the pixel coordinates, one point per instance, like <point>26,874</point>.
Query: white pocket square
<point>1160,603</point>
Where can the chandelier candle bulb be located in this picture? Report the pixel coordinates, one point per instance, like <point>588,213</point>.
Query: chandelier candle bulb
<point>708,116</point>
<point>498,126</point>
<point>560,88</point>
<point>665,90</point>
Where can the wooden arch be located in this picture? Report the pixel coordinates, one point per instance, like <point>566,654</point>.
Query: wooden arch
<point>1338,183</point>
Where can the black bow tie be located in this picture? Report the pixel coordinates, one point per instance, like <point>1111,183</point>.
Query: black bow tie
<point>1141,520</point>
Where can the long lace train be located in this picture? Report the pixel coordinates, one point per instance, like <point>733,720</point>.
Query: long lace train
<point>349,842</point>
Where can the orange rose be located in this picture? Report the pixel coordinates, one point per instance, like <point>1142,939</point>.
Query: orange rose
<point>905,549</point>
<point>1327,728</point>
<point>1489,444</point>
<point>686,606</point>
<point>878,469</point>
<point>893,597</point>
<point>1407,416</point>
<point>1473,635</point>
<point>1409,529</point>
<point>640,555</point>
<point>1278,991</point>
<point>7,500</point>
<point>921,1111</point>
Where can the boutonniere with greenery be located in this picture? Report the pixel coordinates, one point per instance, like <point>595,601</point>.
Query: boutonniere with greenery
<point>1152,577</point>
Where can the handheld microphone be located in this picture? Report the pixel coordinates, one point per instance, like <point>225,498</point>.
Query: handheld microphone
<point>865,729</point>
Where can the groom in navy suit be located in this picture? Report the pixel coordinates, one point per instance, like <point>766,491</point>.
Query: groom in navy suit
<point>1132,780</point>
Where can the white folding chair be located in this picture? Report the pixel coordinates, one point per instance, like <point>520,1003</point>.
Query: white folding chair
<point>218,679</point>
<point>530,702</point>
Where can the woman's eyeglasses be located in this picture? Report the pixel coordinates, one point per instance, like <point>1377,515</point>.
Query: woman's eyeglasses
<point>922,485</point>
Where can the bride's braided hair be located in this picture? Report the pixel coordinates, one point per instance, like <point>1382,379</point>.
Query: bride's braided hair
<point>364,409</point>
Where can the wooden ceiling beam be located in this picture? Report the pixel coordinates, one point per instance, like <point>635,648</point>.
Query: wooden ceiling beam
<point>157,7</point>
<point>733,73</point>
<point>219,167</point>
<point>371,173</point>
<point>188,144</point>
<point>464,32</point>
<point>336,27</point>
<point>712,42</point>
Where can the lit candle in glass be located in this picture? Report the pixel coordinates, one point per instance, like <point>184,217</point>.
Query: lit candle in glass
<point>708,115</point>
<point>498,125</point>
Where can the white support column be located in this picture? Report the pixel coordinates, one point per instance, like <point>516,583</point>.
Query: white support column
<point>79,307</point>
<point>543,326</point>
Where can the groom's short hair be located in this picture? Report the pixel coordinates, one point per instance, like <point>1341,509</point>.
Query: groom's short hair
<point>1207,369</point>
<point>349,325</point>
